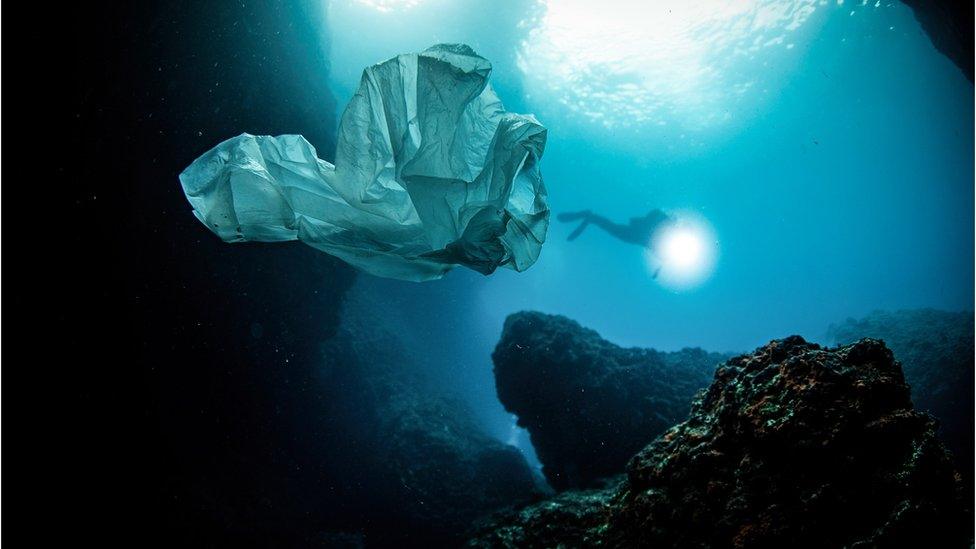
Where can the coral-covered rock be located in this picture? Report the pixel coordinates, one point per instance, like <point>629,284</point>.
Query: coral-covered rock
<point>936,352</point>
<point>574,518</point>
<point>793,445</point>
<point>796,444</point>
<point>588,404</point>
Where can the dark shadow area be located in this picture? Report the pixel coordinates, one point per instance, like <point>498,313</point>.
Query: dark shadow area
<point>172,406</point>
<point>949,24</point>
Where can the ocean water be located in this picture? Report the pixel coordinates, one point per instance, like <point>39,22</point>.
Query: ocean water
<point>826,147</point>
<point>818,153</point>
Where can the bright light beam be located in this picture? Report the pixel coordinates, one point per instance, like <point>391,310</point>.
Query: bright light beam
<point>683,253</point>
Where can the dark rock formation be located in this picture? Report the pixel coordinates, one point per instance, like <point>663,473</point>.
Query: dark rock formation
<point>949,24</point>
<point>414,467</point>
<point>793,445</point>
<point>449,471</point>
<point>935,349</point>
<point>574,518</point>
<point>588,404</point>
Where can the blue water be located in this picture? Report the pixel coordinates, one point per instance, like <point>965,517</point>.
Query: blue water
<point>828,145</point>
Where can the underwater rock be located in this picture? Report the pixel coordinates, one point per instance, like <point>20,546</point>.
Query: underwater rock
<point>449,471</point>
<point>588,404</point>
<point>430,172</point>
<point>416,467</point>
<point>949,25</point>
<point>339,540</point>
<point>794,445</point>
<point>936,352</point>
<point>574,518</point>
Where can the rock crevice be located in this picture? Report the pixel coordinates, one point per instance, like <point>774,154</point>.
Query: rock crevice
<point>588,404</point>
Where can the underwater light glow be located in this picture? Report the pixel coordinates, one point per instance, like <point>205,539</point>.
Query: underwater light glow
<point>683,254</point>
<point>682,249</point>
<point>629,62</point>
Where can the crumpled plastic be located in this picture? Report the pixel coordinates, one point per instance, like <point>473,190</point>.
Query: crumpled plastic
<point>430,172</point>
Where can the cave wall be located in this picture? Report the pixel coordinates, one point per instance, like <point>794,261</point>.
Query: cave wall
<point>949,25</point>
<point>171,404</point>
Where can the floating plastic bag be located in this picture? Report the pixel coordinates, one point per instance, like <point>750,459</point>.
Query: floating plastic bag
<point>430,172</point>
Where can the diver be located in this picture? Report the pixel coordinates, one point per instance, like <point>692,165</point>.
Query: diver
<point>638,231</point>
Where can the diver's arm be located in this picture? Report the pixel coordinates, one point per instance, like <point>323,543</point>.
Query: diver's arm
<point>566,217</point>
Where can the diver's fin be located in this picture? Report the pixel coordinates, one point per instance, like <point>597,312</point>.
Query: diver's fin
<point>656,272</point>
<point>578,230</point>
<point>566,217</point>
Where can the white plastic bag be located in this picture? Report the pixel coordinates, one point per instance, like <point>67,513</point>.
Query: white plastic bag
<point>430,172</point>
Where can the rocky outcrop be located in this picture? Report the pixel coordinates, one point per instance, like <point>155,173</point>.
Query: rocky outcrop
<point>949,25</point>
<point>574,518</point>
<point>588,404</point>
<point>448,472</point>
<point>936,350</point>
<point>794,445</point>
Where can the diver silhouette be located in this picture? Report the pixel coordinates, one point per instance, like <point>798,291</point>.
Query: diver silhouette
<point>638,231</point>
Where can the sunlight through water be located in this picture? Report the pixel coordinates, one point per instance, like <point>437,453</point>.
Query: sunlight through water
<point>389,5</point>
<point>633,62</point>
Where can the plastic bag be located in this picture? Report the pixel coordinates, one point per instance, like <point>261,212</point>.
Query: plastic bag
<point>430,172</point>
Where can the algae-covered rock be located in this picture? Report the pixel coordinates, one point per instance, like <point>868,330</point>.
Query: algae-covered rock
<point>575,518</point>
<point>794,445</point>
<point>935,349</point>
<point>588,404</point>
